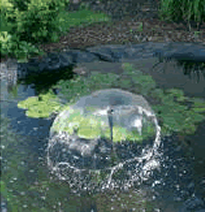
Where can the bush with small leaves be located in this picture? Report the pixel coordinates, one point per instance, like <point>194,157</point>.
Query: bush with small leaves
<point>33,20</point>
<point>12,47</point>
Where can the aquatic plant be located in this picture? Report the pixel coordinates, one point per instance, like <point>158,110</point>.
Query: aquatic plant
<point>176,114</point>
<point>41,106</point>
<point>92,126</point>
<point>172,106</point>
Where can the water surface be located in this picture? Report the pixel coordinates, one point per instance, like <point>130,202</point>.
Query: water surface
<point>27,184</point>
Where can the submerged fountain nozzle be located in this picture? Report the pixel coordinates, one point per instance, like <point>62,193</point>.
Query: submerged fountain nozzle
<point>110,120</point>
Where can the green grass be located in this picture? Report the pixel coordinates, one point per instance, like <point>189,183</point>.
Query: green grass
<point>175,10</point>
<point>66,19</point>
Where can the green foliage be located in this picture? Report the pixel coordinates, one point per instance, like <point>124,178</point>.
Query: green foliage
<point>99,81</point>
<point>40,107</point>
<point>43,19</point>
<point>199,105</point>
<point>176,115</point>
<point>172,107</point>
<point>32,19</point>
<point>36,23</point>
<point>10,45</point>
<point>6,43</point>
<point>6,6</point>
<point>66,19</point>
<point>8,196</point>
<point>141,83</point>
<point>183,10</point>
<point>6,11</point>
<point>81,86</point>
<point>92,126</point>
<point>21,5</point>
<point>28,22</point>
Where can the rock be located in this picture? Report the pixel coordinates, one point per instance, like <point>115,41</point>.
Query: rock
<point>179,52</point>
<point>74,4</point>
<point>109,53</point>
<point>75,1</point>
<point>8,68</point>
<point>81,71</point>
<point>81,57</point>
<point>114,53</point>
<point>53,62</point>
<point>66,59</point>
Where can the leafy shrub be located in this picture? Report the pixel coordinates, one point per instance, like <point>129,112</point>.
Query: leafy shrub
<point>33,20</point>
<point>21,5</point>
<point>37,22</point>
<point>6,13</point>
<point>5,40</point>
<point>11,46</point>
<point>24,22</point>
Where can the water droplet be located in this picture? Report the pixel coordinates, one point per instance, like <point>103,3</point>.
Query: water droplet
<point>22,193</point>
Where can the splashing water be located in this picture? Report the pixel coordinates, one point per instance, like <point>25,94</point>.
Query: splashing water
<point>98,167</point>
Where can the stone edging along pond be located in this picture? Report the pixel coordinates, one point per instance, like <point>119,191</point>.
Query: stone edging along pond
<point>171,106</point>
<point>113,53</point>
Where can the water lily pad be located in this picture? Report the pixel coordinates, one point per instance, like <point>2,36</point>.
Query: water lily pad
<point>171,108</point>
<point>41,106</point>
<point>199,105</point>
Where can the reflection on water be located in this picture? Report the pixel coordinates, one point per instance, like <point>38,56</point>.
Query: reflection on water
<point>26,184</point>
<point>195,71</point>
<point>185,75</point>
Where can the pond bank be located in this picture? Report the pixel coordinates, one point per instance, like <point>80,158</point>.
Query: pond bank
<point>186,52</point>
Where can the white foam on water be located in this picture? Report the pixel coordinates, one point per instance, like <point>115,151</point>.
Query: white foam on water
<point>143,164</point>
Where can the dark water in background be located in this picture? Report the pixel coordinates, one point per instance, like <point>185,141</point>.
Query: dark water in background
<point>30,188</point>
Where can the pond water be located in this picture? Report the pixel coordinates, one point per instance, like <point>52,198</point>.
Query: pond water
<point>27,185</point>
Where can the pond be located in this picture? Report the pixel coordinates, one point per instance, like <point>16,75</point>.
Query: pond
<point>28,185</point>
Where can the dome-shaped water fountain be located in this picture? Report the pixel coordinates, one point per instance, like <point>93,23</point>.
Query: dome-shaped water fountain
<point>107,138</point>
